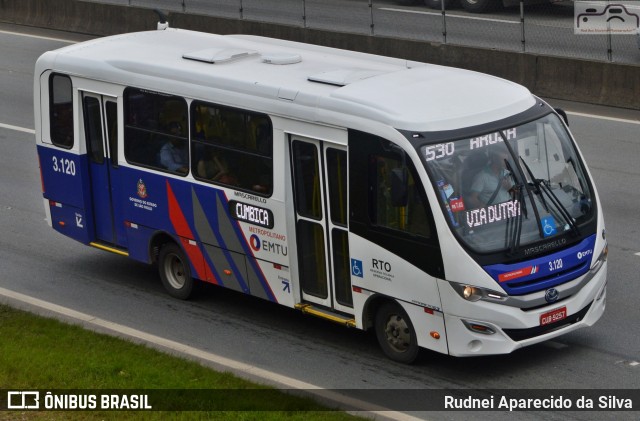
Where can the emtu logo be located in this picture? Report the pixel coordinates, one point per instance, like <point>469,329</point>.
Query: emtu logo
<point>598,17</point>
<point>254,241</point>
<point>582,254</point>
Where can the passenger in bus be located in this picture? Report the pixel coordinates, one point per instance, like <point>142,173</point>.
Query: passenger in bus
<point>261,187</point>
<point>214,167</point>
<point>494,183</point>
<point>173,155</point>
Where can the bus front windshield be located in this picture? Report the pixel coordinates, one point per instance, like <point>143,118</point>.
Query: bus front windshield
<point>510,188</point>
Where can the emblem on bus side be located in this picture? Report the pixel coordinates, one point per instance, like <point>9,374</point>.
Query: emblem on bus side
<point>142,189</point>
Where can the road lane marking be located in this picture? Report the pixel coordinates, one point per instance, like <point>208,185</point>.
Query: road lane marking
<point>439,14</point>
<point>239,368</point>
<point>16,128</point>
<point>68,41</point>
<point>558,25</point>
<point>628,362</point>
<point>601,117</point>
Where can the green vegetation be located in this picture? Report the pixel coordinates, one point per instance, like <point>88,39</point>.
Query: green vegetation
<point>45,354</point>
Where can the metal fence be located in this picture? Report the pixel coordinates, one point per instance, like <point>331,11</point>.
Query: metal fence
<point>545,28</point>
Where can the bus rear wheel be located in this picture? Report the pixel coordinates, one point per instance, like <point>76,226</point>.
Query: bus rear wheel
<point>175,272</point>
<point>396,334</point>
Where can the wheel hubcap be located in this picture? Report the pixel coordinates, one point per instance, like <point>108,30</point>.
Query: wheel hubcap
<point>174,268</point>
<point>398,333</point>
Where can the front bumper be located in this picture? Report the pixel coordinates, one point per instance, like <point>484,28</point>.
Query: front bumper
<point>509,327</point>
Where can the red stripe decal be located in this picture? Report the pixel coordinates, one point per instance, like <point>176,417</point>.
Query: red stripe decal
<point>181,227</point>
<point>518,273</point>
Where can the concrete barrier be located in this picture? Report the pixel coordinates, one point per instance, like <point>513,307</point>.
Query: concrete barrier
<point>592,82</point>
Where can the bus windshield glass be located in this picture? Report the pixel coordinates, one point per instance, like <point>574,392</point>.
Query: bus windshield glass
<point>512,187</point>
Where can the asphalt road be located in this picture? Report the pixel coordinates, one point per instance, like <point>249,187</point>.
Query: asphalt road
<point>38,262</point>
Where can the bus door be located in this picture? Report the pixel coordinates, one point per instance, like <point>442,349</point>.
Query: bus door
<point>101,135</point>
<point>319,177</point>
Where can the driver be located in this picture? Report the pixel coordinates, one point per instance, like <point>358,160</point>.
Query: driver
<point>493,184</point>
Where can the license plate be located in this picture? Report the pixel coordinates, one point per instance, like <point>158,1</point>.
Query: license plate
<point>553,316</point>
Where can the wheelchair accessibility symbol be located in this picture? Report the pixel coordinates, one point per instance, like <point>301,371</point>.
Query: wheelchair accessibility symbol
<point>548,226</point>
<point>356,268</point>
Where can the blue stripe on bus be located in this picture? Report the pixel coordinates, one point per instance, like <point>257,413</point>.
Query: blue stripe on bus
<point>251,259</point>
<point>544,272</point>
<point>223,243</point>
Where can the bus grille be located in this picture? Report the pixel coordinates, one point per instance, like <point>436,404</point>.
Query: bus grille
<point>522,334</point>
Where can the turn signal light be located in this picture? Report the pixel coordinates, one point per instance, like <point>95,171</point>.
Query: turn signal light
<point>434,335</point>
<point>479,327</point>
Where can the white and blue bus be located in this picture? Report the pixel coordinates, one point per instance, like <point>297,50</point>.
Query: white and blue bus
<point>442,208</point>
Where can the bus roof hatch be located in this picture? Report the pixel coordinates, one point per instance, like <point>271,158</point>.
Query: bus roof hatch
<point>218,55</point>
<point>343,77</point>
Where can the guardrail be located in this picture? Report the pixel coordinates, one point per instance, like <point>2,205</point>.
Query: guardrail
<point>562,77</point>
<point>544,27</point>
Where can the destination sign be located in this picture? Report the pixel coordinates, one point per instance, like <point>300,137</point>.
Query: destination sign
<point>251,214</point>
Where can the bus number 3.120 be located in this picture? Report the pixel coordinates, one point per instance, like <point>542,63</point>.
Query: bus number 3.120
<point>64,166</point>
<point>555,265</point>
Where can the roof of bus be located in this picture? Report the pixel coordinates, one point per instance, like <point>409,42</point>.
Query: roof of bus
<point>320,81</point>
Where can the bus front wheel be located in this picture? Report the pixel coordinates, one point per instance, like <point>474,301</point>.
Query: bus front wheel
<point>396,334</point>
<point>175,272</point>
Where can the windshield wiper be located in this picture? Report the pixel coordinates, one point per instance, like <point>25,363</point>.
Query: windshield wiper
<point>563,210</point>
<point>513,231</point>
<point>544,188</point>
<point>536,183</point>
<point>585,203</point>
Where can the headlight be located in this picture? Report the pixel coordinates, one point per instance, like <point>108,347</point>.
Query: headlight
<point>474,293</point>
<point>470,293</point>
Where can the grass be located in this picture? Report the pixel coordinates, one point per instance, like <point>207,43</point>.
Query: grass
<point>43,354</point>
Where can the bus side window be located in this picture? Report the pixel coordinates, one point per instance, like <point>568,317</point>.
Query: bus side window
<point>410,217</point>
<point>232,147</point>
<point>156,131</point>
<point>61,110</point>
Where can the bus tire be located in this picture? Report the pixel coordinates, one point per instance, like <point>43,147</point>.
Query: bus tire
<point>396,334</point>
<point>175,271</point>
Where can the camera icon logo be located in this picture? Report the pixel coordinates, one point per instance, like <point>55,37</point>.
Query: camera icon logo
<point>598,18</point>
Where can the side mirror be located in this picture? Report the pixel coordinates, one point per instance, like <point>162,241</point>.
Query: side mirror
<point>563,114</point>
<point>399,187</point>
